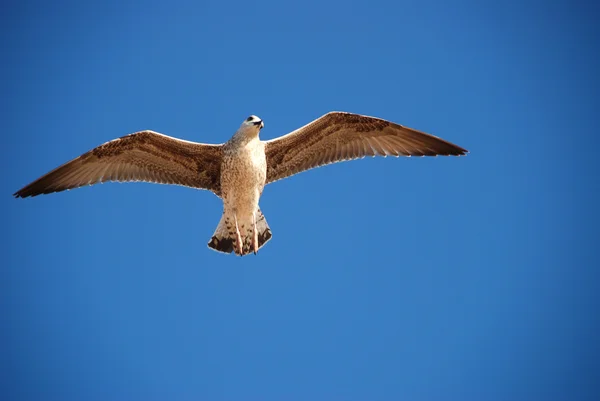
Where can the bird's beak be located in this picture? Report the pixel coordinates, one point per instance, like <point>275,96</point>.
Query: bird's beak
<point>262,125</point>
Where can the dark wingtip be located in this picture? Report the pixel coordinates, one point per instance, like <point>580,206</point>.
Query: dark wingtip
<point>27,192</point>
<point>455,150</point>
<point>20,194</point>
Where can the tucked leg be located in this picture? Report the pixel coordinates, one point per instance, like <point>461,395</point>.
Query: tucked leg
<point>254,234</point>
<point>238,236</point>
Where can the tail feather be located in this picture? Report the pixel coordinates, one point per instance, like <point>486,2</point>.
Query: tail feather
<point>224,239</point>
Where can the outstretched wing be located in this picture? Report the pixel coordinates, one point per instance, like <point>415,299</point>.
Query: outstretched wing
<point>339,136</point>
<point>142,156</point>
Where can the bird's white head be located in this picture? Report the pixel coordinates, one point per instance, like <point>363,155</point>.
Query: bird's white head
<point>253,121</point>
<point>249,129</point>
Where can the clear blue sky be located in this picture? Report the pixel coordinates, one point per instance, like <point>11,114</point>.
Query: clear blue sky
<point>470,278</point>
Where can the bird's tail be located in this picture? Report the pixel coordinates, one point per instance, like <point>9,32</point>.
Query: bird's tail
<point>226,239</point>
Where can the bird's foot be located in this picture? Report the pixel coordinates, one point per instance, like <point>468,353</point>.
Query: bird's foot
<point>254,234</point>
<point>238,236</point>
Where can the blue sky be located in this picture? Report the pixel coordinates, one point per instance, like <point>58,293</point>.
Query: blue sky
<point>419,279</point>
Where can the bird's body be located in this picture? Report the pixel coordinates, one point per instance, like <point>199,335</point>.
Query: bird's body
<point>243,174</point>
<point>243,177</point>
<point>238,170</point>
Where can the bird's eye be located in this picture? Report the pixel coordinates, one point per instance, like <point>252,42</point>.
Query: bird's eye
<point>249,119</point>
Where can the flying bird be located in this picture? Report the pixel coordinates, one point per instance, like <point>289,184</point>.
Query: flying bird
<point>237,170</point>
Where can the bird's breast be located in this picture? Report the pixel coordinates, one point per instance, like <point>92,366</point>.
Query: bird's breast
<point>244,172</point>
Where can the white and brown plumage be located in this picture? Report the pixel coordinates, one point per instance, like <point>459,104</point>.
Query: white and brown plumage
<point>238,170</point>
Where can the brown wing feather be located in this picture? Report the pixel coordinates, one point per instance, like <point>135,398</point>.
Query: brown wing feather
<point>339,136</point>
<point>142,156</point>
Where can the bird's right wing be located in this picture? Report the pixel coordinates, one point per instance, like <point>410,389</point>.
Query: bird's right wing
<point>142,156</point>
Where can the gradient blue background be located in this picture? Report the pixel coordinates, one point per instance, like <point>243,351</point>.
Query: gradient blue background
<point>470,278</point>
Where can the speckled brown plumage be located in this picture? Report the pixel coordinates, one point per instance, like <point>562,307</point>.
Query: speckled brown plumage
<point>238,170</point>
<point>339,136</point>
<point>143,156</point>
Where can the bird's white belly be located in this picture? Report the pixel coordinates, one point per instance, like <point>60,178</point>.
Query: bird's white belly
<point>242,179</point>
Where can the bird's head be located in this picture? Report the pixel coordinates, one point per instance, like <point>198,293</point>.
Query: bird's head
<point>253,122</point>
<point>249,129</point>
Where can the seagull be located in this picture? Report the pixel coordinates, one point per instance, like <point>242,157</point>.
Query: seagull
<point>238,170</point>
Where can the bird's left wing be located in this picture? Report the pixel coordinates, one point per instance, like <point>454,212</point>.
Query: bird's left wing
<point>142,156</point>
<point>339,136</point>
